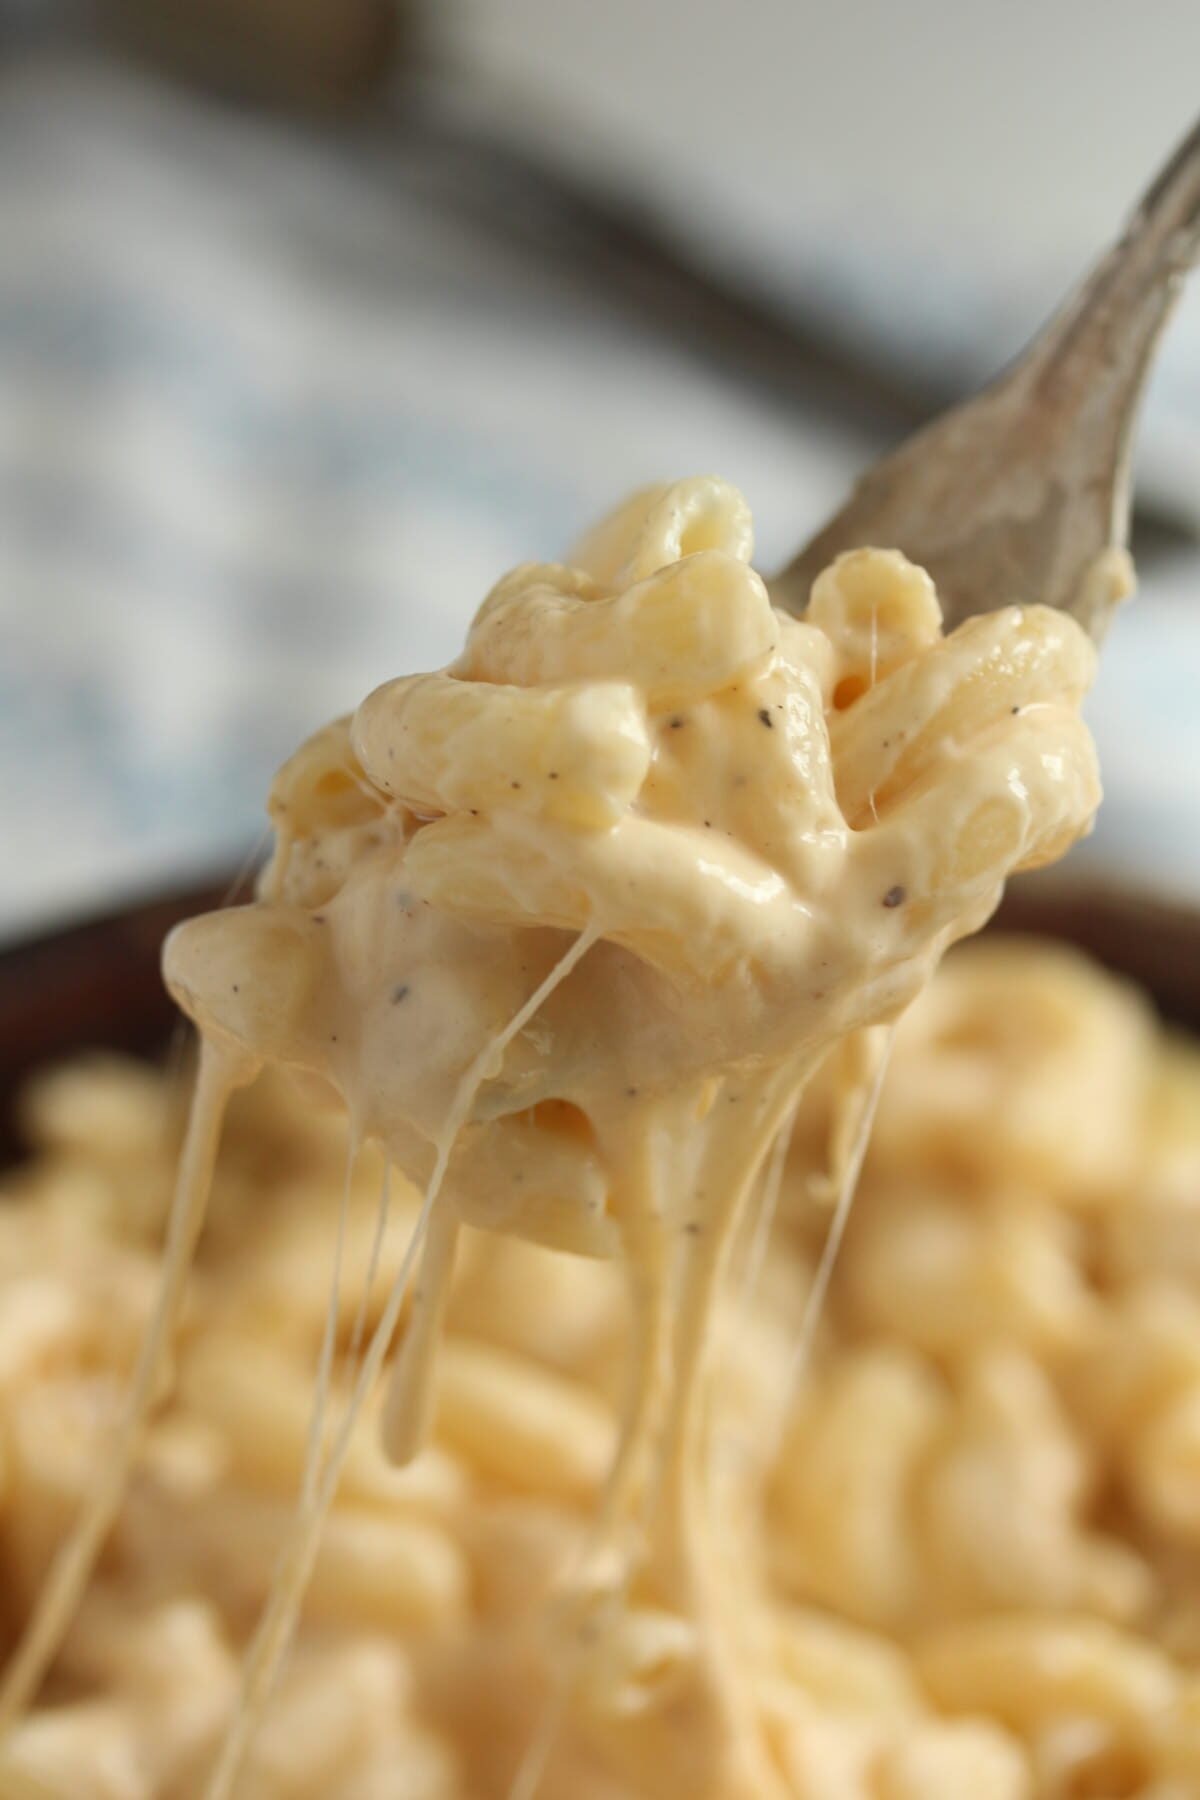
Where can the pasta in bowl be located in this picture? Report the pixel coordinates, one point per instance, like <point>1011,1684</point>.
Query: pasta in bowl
<point>977,1528</point>
<point>568,930</point>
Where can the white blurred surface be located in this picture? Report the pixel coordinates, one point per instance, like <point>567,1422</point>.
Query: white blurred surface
<point>931,177</point>
<point>267,436</point>
<point>269,429</point>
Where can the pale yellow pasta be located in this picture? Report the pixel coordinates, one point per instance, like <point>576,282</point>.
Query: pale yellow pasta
<point>328,1715</point>
<point>946,1277</point>
<point>520,1424</point>
<point>502,877</point>
<point>323,785</point>
<point>878,610</point>
<point>659,524</point>
<point>1042,1073</point>
<point>1164,1458</point>
<point>87,1749</point>
<point>684,632</point>
<point>946,1762</point>
<point>576,753</point>
<point>933,1544</point>
<point>641,1661</point>
<point>105,1108</point>
<point>564,935</point>
<point>1000,1500</point>
<point>1017,658</point>
<point>845,1486</point>
<point>1028,1671</point>
<point>842,1668</point>
<point>259,1398</point>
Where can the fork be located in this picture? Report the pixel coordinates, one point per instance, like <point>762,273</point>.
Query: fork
<point>1023,491</point>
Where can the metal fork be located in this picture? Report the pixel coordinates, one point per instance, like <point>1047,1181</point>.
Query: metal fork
<point>1016,494</point>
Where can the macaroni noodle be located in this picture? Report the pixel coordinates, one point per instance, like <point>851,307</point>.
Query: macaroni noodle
<point>567,931</point>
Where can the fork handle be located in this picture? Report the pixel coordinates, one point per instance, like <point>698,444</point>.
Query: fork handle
<point>1089,366</point>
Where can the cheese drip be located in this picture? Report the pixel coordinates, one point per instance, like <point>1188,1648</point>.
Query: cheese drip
<point>685,845</point>
<point>221,1070</point>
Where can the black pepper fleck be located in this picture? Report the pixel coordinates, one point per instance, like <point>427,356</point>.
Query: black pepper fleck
<point>693,1228</point>
<point>895,896</point>
<point>677,723</point>
<point>1016,709</point>
<point>765,718</point>
<point>236,989</point>
<point>400,993</point>
<point>554,774</point>
<point>515,784</point>
<point>318,918</point>
<point>631,1092</point>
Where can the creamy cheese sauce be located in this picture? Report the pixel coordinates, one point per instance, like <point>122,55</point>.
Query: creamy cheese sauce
<point>567,929</point>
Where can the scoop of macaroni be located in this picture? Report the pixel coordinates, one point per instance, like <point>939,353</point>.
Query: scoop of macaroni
<point>770,828</point>
<point>566,929</point>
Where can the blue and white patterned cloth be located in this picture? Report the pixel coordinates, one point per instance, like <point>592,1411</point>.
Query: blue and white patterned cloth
<point>269,428</point>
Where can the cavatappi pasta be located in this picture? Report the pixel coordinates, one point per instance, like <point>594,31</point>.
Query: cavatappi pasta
<point>566,932</point>
<point>972,1559</point>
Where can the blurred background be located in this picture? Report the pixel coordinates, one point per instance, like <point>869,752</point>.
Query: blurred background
<point>315,315</point>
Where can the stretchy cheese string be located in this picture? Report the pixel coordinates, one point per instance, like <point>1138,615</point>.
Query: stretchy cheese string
<point>768,1207</point>
<point>847,1188</point>
<point>646,1251</point>
<point>726,1175</point>
<point>408,1412</point>
<point>278,1621</point>
<point>58,1601</point>
<point>688,1568</point>
<point>364,1299</point>
<point>316,1427</point>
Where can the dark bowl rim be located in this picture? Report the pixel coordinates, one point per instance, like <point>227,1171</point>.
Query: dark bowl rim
<point>95,983</point>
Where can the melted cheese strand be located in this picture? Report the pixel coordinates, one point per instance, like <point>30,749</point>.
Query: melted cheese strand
<point>768,1207</point>
<point>408,1412</point>
<point>364,1299</point>
<point>687,1562</point>
<point>724,1182</point>
<point>847,1188</point>
<point>647,1254</point>
<point>722,1185</point>
<point>715,815</point>
<point>645,1244</point>
<point>251,861</point>
<point>316,1426</point>
<point>219,1073</point>
<point>278,1621</point>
